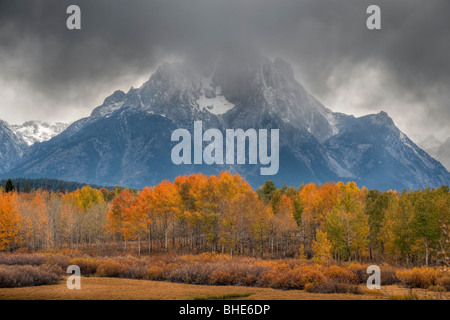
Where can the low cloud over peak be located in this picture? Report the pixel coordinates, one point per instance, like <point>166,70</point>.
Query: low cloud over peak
<point>52,73</point>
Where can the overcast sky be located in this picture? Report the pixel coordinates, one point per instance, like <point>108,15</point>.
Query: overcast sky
<point>50,73</point>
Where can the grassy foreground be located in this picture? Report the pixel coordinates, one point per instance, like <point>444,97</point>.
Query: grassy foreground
<point>101,288</point>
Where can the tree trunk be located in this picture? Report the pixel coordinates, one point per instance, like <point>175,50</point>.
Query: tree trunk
<point>149,242</point>
<point>165,240</point>
<point>139,244</point>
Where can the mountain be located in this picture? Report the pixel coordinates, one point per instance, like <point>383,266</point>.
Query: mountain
<point>443,154</point>
<point>127,140</point>
<point>38,131</point>
<point>431,144</point>
<point>438,150</point>
<point>12,147</point>
<point>15,139</point>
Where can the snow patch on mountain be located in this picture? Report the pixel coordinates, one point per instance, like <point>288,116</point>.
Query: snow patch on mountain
<point>38,131</point>
<point>216,104</point>
<point>406,141</point>
<point>108,110</point>
<point>341,172</point>
<point>332,121</point>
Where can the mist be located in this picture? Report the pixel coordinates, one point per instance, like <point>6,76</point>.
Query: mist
<point>48,72</point>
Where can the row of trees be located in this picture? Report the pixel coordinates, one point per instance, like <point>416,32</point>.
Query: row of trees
<point>29,184</point>
<point>223,213</point>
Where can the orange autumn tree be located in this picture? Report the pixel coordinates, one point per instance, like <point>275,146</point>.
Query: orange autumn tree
<point>189,219</point>
<point>223,213</point>
<point>25,211</point>
<point>141,217</point>
<point>206,216</point>
<point>118,217</point>
<point>9,221</point>
<point>234,191</point>
<point>39,207</point>
<point>235,220</point>
<point>215,196</point>
<point>165,202</point>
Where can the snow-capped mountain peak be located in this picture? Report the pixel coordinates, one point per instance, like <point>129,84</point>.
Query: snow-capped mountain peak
<point>38,131</point>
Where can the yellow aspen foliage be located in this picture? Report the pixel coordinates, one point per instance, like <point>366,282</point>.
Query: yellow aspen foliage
<point>86,197</point>
<point>321,248</point>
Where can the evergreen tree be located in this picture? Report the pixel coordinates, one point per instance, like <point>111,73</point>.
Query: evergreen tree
<point>9,187</point>
<point>266,191</point>
<point>28,188</point>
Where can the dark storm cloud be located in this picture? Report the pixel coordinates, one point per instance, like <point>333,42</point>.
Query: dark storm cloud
<point>325,40</point>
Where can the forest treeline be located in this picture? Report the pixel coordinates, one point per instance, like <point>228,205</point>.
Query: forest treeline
<point>55,185</point>
<point>222,213</point>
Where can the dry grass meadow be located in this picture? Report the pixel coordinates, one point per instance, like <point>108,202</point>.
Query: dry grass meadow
<point>101,288</point>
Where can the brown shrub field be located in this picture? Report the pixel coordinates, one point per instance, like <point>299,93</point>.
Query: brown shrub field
<point>25,269</point>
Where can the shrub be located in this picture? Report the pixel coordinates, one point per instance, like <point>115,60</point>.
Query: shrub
<point>87,265</point>
<point>277,275</point>
<point>301,276</point>
<point>360,271</point>
<point>332,286</point>
<point>204,257</point>
<point>408,296</point>
<point>195,273</point>
<point>66,252</point>
<point>23,276</point>
<point>155,273</point>
<point>136,271</point>
<point>436,288</point>
<point>295,278</point>
<point>444,282</point>
<point>62,261</point>
<point>341,274</point>
<point>220,269</point>
<point>423,277</point>
<point>221,278</point>
<point>388,275</point>
<point>23,251</point>
<point>110,268</point>
<point>237,272</point>
<point>22,259</point>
